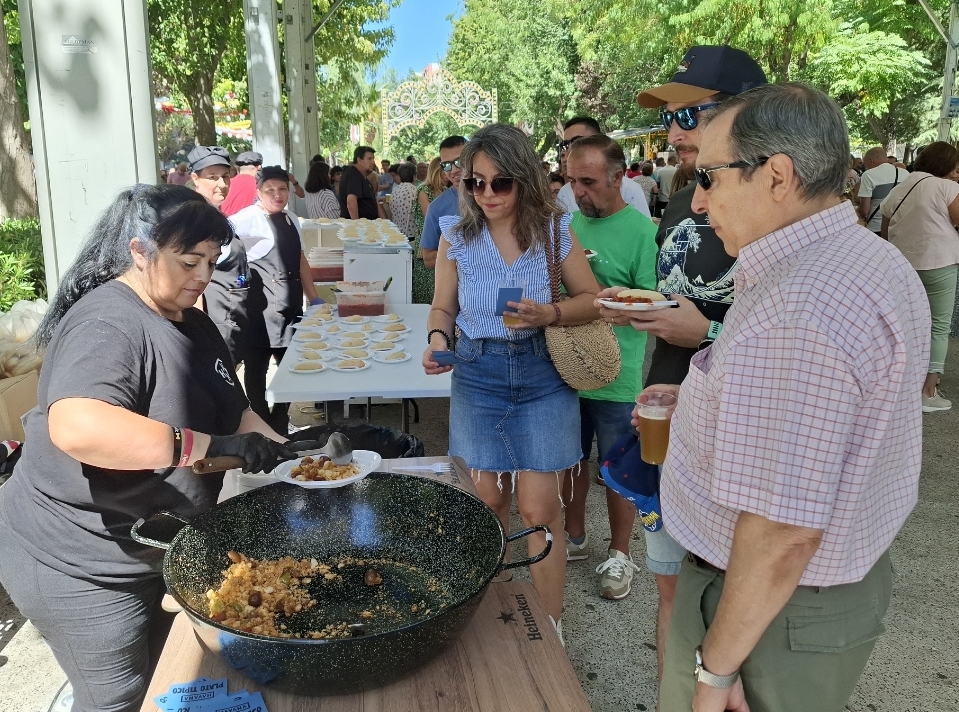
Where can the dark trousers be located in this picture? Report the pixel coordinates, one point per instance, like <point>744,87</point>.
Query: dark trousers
<point>660,208</point>
<point>255,365</point>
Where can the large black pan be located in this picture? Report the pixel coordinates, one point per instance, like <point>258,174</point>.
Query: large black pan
<point>431,530</point>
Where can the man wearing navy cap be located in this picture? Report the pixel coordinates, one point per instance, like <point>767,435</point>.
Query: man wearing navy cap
<point>243,190</point>
<point>210,173</point>
<point>693,265</point>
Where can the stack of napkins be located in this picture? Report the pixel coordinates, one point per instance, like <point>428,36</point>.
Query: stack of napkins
<point>206,695</point>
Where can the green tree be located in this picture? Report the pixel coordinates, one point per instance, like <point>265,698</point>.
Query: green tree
<point>525,51</point>
<point>18,189</point>
<point>187,40</point>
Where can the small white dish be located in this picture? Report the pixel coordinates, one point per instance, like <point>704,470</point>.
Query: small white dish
<point>366,365</point>
<point>314,367</point>
<point>384,347</point>
<point>350,320</point>
<point>404,330</point>
<point>313,345</point>
<point>366,460</point>
<point>655,306</point>
<point>308,335</point>
<point>385,319</point>
<point>381,357</point>
<point>353,343</point>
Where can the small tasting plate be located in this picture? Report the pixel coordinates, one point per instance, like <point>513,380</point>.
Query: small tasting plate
<point>380,357</point>
<point>655,306</point>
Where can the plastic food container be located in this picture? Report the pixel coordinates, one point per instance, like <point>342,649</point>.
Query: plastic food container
<point>361,303</point>
<point>326,265</point>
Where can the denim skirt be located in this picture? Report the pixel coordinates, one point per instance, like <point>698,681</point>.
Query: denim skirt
<point>509,410</point>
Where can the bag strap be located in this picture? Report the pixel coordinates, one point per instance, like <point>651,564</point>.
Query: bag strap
<point>554,262</point>
<point>879,205</point>
<point>907,195</point>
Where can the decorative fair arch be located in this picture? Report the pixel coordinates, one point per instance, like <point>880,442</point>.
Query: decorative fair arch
<point>413,102</point>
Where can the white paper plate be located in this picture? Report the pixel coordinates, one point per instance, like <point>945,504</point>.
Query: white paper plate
<point>366,365</point>
<point>322,367</point>
<point>341,343</point>
<point>380,357</point>
<point>393,346</point>
<point>308,335</point>
<point>306,347</point>
<point>382,327</point>
<point>366,460</point>
<point>400,336</point>
<point>655,306</point>
<point>342,320</point>
<point>386,320</point>
<point>341,354</point>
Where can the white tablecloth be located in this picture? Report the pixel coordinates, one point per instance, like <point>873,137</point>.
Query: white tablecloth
<point>401,380</point>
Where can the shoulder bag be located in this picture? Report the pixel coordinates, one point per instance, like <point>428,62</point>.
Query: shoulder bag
<point>907,195</point>
<point>587,355</point>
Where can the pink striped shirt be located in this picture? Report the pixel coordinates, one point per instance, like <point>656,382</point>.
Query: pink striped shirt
<point>806,410</point>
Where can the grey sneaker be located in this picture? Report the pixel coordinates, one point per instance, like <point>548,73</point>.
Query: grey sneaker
<point>936,403</point>
<point>617,573</point>
<point>577,552</point>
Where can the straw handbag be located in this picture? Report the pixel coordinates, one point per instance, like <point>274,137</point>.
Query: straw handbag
<point>587,355</point>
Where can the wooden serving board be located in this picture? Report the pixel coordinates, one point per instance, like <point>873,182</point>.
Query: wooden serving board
<point>507,660</point>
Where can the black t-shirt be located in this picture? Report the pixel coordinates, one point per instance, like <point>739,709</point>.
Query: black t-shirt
<point>112,347</point>
<point>352,182</point>
<point>692,262</point>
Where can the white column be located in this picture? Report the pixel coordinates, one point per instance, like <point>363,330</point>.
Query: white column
<point>91,113</point>
<point>263,78</point>
<point>301,85</point>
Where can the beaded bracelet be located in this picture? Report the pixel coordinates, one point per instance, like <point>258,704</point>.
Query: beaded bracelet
<point>449,341</point>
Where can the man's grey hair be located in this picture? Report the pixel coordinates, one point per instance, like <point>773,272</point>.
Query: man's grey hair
<point>796,120</point>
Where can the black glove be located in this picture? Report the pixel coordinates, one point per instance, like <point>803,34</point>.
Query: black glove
<point>259,453</point>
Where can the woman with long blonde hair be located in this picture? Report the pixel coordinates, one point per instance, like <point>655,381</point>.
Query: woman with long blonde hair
<point>512,417</point>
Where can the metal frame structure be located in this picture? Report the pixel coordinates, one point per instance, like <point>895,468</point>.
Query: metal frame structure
<point>412,103</point>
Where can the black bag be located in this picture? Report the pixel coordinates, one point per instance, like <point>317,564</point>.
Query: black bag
<point>389,443</point>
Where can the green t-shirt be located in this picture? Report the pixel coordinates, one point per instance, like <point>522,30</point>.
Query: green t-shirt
<point>625,246</point>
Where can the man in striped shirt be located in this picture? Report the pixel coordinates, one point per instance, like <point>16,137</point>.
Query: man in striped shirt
<point>795,449</point>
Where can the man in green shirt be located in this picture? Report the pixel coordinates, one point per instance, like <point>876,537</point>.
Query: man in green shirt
<point>624,243</point>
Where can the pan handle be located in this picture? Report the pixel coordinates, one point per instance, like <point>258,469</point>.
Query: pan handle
<point>533,559</point>
<point>217,464</point>
<point>147,541</point>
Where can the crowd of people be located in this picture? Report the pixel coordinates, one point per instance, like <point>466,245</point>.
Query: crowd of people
<point>794,448</point>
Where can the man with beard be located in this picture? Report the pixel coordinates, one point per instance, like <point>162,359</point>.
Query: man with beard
<point>624,243</point>
<point>693,266</point>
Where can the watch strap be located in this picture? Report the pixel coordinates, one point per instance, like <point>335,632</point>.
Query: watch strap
<point>715,329</point>
<point>721,682</point>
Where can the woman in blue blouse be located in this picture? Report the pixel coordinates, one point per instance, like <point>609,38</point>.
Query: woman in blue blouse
<point>512,418</point>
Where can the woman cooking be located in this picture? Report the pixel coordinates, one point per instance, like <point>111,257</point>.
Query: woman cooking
<point>512,418</point>
<point>136,385</point>
<point>279,279</point>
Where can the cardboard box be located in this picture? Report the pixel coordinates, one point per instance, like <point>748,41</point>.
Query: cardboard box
<point>18,395</point>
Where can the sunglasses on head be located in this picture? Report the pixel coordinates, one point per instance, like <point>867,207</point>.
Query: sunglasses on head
<point>704,180</point>
<point>686,117</point>
<point>500,186</point>
<point>447,166</point>
<point>564,145</point>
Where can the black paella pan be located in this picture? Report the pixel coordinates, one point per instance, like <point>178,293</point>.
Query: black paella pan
<point>435,547</point>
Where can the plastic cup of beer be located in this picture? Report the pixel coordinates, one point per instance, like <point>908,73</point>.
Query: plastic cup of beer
<point>654,426</point>
<point>509,290</point>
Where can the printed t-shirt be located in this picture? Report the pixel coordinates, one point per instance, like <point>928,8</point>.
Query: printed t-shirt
<point>692,262</point>
<point>110,346</point>
<point>625,246</point>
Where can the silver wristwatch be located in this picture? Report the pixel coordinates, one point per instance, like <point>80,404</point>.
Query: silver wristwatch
<point>723,682</point>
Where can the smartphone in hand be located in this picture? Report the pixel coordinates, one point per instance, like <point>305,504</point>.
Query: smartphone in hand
<point>444,358</point>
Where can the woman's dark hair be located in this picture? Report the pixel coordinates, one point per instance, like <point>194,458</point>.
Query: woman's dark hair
<point>407,172</point>
<point>634,166</point>
<point>555,178</point>
<point>335,171</point>
<point>938,158</point>
<point>157,216</point>
<point>318,178</point>
<point>647,169</point>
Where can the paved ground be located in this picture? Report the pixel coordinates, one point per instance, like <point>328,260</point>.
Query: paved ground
<point>612,644</point>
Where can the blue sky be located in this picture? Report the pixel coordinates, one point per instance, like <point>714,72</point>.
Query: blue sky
<point>421,31</point>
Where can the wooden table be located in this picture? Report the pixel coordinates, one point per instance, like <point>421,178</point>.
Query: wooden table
<point>507,660</point>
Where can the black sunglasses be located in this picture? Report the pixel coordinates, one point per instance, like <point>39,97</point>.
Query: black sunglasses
<point>447,166</point>
<point>500,186</point>
<point>564,145</point>
<point>702,174</point>
<point>686,117</point>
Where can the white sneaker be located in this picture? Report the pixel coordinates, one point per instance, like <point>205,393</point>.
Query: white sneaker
<point>936,403</point>
<point>558,625</point>
<point>617,573</point>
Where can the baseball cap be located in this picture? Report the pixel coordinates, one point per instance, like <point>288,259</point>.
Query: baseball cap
<point>271,173</point>
<point>249,158</point>
<point>205,156</point>
<point>704,71</point>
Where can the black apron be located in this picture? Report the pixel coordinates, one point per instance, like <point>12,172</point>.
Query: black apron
<point>276,291</point>
<point>227,297</point>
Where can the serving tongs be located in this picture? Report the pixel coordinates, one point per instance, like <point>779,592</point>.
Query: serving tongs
<point>338,448</point>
